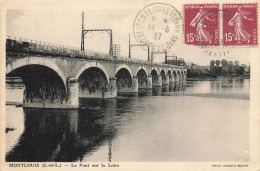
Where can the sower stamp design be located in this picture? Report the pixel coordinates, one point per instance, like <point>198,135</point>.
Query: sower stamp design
<point>159,25</point>
<point>201,24</point>
<point>240,24</point>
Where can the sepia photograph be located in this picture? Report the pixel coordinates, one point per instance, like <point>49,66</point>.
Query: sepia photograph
<point>100,84</point>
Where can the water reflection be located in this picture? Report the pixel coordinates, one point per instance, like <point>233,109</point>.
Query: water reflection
<point>220,88</point>
<point>165,90</point>
<point>75,135</point>
<point>64,135</point>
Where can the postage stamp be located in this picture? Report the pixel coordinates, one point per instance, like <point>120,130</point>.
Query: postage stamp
<point>201,24</point>
<point>240,24</point>
<point>159,25</point>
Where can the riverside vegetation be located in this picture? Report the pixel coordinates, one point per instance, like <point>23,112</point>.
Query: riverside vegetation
<point>216,69</point>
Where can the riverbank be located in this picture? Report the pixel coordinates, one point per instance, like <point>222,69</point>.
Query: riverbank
<point>220,77</point>
<point>201,79</point>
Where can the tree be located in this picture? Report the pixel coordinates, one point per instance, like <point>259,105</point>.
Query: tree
<point>217,62</point>
<point>240,70</point>
<point>224,63</point>
<point>212,67</point>
<point>230,67</point>
<point>212,63</point>
<point>236,67</point>
<point>243,65</point>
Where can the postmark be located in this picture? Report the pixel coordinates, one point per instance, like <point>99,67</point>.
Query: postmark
<point>201,24</point>
<point>240,25</point>
<point>159,25</point>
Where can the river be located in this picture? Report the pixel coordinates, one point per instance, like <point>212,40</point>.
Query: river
<point>191,121</point>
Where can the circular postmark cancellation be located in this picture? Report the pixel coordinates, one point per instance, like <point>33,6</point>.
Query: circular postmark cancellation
<point>218,40</point>
<point>158,25</point>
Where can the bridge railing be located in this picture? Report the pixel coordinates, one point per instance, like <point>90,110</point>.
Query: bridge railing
<point>55,49</point>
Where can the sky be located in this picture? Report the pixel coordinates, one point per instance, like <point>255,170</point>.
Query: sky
<point>63,27</point>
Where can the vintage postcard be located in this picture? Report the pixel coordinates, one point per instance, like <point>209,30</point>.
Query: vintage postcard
<point>130,85</point>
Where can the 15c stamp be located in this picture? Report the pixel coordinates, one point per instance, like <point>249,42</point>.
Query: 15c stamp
<point>240,24</point>
<point>201,24</point>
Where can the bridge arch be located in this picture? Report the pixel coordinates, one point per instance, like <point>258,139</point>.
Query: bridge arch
<point>179,74</point>
<point>94,65</point>
<point>163,74</point>
<point>45,84</point>
<point>169,72</point>
<point>141,68</point>
<point>163,71</point>
<point>182,74</point>
<point>154,72</point>
<point>35,61</point>
<point>124,66</point>
<point>124,79</point>
<point>142,77</point>
<point>174,74</point>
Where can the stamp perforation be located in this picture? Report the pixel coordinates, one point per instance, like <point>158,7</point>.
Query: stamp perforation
<point>198,26</point>
<point>256,23</point>
<point>221,24</point>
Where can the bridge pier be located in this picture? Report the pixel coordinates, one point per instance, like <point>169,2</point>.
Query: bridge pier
<point>172,79</point>
<point>167,80</point>
<point>177,77</point>
<point>150,82</point>
<point>160,81</point>
<point>111,87</point>
<point>184,77</point>
<point>129,89</point>
<point>73,93</point>
<point>135,84</point>
<point>166,88</point>
<point>157,82</point>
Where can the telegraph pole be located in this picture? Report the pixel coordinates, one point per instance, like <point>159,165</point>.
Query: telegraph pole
<point>165,60</point>
<point>148,53</point>
<point>129,55</point>
<point>111,42</point>
<point>109,31</point>
<point>82,33</point>
<point>152,55</point>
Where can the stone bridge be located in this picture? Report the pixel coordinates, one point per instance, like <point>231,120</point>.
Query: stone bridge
<point>55,76</point>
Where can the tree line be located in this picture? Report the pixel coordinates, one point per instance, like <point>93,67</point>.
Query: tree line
<point>218,68</point>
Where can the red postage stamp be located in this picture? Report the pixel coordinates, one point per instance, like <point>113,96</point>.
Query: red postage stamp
<point>239,24</point>
<point>201,24</point>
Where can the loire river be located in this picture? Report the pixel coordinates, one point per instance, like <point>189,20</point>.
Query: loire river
<point>189,121</point>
